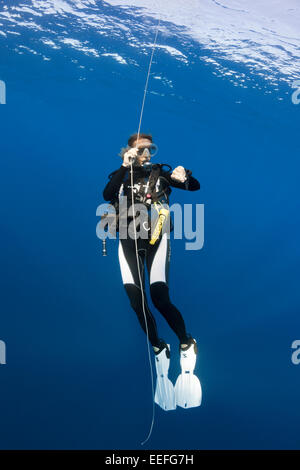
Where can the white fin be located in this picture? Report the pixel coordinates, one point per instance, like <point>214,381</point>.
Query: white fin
<point>188,390</point>
<point>164,392</point>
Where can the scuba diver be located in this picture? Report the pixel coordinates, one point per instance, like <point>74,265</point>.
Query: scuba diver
<point>150,185</point>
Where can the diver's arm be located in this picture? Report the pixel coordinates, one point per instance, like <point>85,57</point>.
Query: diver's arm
<point>113,186</point>
<point>191,184</point>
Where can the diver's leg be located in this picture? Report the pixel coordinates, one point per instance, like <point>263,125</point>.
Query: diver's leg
<point>158,260</point>
<point>131,281</point>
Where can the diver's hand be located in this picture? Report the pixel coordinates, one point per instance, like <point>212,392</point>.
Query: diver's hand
<point>129,156</point>
<point>179,174</point>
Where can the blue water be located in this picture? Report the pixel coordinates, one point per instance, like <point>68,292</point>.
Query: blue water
<point>77,373</point>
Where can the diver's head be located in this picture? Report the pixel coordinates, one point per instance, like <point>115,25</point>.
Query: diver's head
<point>145,146</point>
<point>146,149</point>
<point>143,143</point>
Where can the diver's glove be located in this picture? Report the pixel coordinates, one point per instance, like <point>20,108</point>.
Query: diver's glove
<point>179,174</point>
<point>129,157</point>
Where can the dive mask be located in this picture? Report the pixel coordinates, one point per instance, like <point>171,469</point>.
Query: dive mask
<point>147,151</point>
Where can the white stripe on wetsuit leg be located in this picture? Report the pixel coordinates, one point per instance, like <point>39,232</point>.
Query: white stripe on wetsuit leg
<point>158,268</point>
<point>125,270</point>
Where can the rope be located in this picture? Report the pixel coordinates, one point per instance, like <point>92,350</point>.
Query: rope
<point>136,248</point>
<point>146,86</point>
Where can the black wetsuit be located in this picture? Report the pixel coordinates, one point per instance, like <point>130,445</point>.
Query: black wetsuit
<point>157,256</point>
